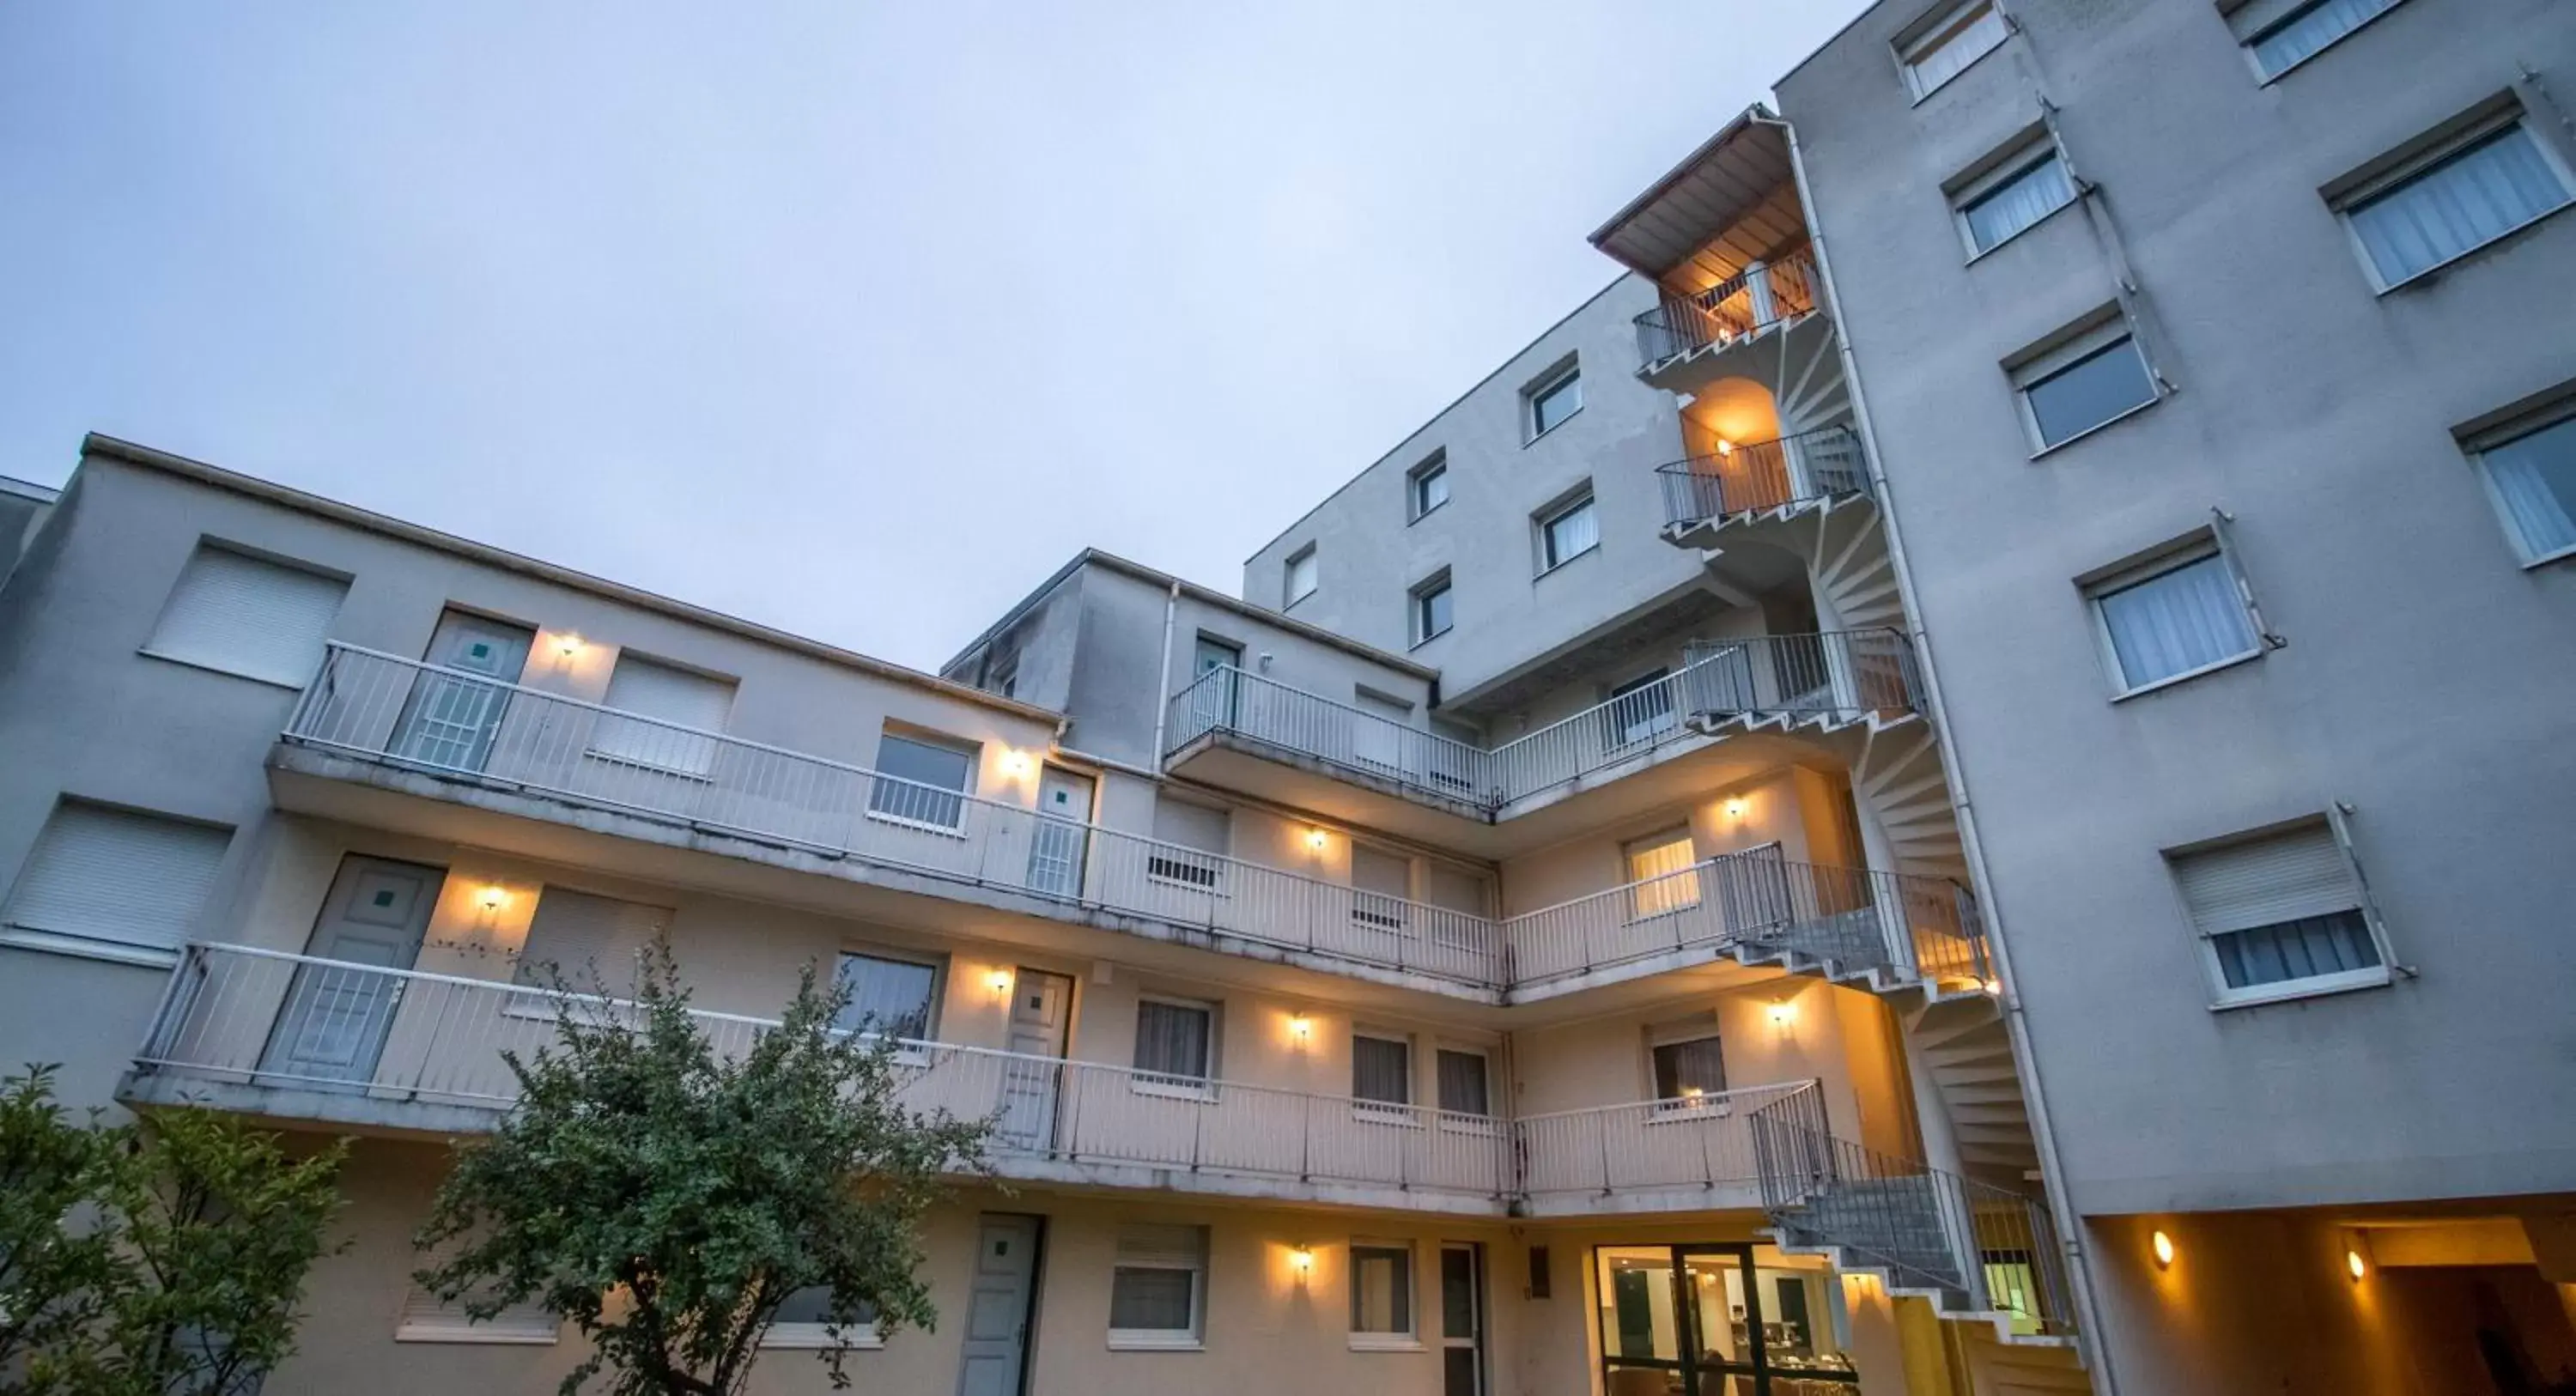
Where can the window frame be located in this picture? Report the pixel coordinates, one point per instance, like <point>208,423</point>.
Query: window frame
<point>1682,1032</point>
<point>2080,343</point>
<point>1443,1047</point>
<point>1407,1339</point>
<point>2223,997</point>
<point>1988,177</point>
<point>932,1004</point>
<point>1418,596</point>
<point>1190,1339</point>
<point>2558,411</point>
<point>973,751</point>
<point>1678,835</point>
<point>208,543</point>
<point>1369,1108</point>
<point>1434,467</point>
<point>1922,36</point>
<point>1288,591</point>
<point>2415,159</point>
<point>1567,374</point>
<point>1578,500</point>
<point>1145,1080</point>
<point>2193,548</point>
<point>2276,17</point>
<point>79,944</point>
<point>865,1336</point>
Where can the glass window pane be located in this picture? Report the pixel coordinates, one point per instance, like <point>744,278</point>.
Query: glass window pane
<point>1462,1083</point>
<point>1640,1318</point>
<point>1301,575</point>
<point>1381,1070</point>
<point>886,996</point>
<point>1151,1299</point>
<point>2303,34</point>
<point>2018,202</point>
<point>923,777</point>
<point>2535,479</point>
<point>1430,489</point>
<point>1954,46</point>
<point>2092,390</point>
<point>1660,870</point>
<point>1431,611</point>
<point>1172,1040</point>
<point>1381,1289</point>
<point>1457,1292</point>
<point>2176,622</point>
<point>1572,533</point>
<point>2467,200</point>
<point>1555,402</point>
<point>2302,949</point>
<point>813,1304</point>
<point>1684,1069</point>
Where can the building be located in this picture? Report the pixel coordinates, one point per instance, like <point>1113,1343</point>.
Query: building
<point>1537,937</point>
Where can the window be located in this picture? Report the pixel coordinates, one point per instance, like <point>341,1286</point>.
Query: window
<point>579,938</point>
<point>1687,1059</point>
<point>678,698</point>
<point>1195,839</point>
<point>1174,1042</point>
<point>427,1319</point>
<point>1381,1294</point>
<point>1639,710</point>
<point>2283,913</point>
<point>2017,191</point>
<point>2172,616</point>
<point>1427,487</point>
<point>1660,874</point>
<point>112,883</point>
<point>2281,36</point>
<point>805,1320</point>
<point>2089,380</point>
<point>1431,608</point>
<point>1462,1083</point>
<point>1158,1288</point>
<point>922,781</point>
<point>1940,46</point>
<point>1301,576</point>
<point>2531,474</point>
<point>1381,1070</point>
<point>2447,201</point>
<point>1554,398</point>
<point>1568,531</point>
<point>247,616</point>
<point>892,998</point>
<point>1381,883</point>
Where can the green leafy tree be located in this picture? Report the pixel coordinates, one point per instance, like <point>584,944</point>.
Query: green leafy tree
<point>666,1197</point>
<point>176,1254</point>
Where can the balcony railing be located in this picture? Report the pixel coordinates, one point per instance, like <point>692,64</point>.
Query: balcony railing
<point>1840,676</point>
<point>355,1043</point>
<point>1813,465</point>
<point>458,726</point>
<point>371,1038</point>
<point>1760,296</point>
<point>1985,1249</point>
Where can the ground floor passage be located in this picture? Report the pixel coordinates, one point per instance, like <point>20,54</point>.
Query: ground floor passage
<point>1044,1293</point>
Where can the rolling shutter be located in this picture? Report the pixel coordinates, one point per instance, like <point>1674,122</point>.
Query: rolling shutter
<point>116,877</point>
<point>2282,877</point>
<point>425,1320</point>
<point>577,932</point>
<point>1191,826</point>
<point>670,695</point>
<point>242,615</point>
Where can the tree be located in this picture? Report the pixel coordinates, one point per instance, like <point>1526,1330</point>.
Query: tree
<point>666,1198</point>
<point>160,1258</point>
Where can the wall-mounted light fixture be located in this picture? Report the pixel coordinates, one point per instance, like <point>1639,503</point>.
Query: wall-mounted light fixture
<point>1316,839</point>
<point>1725,447</point>
<point>2354,1265</point>
<point>568,644</point>
<point>2163,1247</point>
<point>1015,763</point>
<point>1000,981</point>
<point>1783,1013</point>
<point>1735,807</point>
<point>1301,1029</point>
<point>493,897</point>
<point>1301,1262</point>
<point>1994,988</point>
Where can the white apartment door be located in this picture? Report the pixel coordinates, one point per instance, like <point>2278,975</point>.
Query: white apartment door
<point>995,1360</point>
<point>1063,839</point>
<point>333,1025</point>
<point>1041,1012</point>
<point>1215,688</point>
<point>451,718</point>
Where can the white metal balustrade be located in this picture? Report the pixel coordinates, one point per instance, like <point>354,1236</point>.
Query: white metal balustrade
<point>353,1043</point>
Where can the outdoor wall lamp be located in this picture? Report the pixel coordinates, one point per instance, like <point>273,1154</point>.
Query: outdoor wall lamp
<point>2164,1248</point>
<point>1301,1262</point>
<point>568,644</point>
<point>1316,839</point>
<point>1000,981</point>
<point>1300,1029</point>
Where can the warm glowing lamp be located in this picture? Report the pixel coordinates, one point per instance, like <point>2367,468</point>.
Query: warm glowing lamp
<point>1015,763</point>
<point>2164,1248</point>
<point>1735,808</point>
<point>568,644</point>
<point>1315,839</point>
<point>1725,447</point>
<point>2353,1263</point>
<point>1994,988</point>
<point>1301,1261</point>
<point>1000,980</point>
<point>1783,1013</point>
<point>1300,1027</point>
<point>491,897</point>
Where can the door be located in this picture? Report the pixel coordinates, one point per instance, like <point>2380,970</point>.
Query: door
<point>332,1027</point>
<point>1462,1319</point>
<point>1063,839</point>
<point>451,718</point>
<point>1041,1012</point>
<point>1215,676</point>
<point>999,1305</point>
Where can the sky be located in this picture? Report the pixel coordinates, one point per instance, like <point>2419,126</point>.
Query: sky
<point>856,319</point>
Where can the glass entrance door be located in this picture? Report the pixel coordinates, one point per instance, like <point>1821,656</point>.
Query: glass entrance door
<point>1716,1320</point>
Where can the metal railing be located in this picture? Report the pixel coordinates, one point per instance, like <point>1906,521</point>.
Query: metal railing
<point>1987,1249</point>
<point>1842,675</point>
<point>1811,465</point>
<point>1698,1140</point>
<point>459,726</point>
<point>1761,295</point>
<point>1228,699</point>
<point>240,1015</point>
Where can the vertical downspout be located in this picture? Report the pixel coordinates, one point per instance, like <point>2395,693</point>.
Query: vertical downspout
<point>1163,681</point>
<point>2069,1227</point>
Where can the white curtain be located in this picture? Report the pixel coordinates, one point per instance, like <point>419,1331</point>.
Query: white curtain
<point>886,996</point>
<point>1172,1039</point>
<point>1151,1299</point>
<point>1381,1071</point>
<point>2535,476</point>
<point>2472,198</point>
<point>1572,534</point>
<point>2018,202</point>
<point>2177,621</point>
<point>2315,28</point>
<point>1966,44</point>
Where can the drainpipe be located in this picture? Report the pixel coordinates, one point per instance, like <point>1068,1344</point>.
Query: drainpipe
<point>2069,1227</point>
<point>1163,682</point>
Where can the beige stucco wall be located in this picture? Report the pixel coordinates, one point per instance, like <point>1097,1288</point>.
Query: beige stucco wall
<point>1777,805</point>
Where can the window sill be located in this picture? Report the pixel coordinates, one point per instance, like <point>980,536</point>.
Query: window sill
<point>1174,1090</point>
<point>209,666</point>
<point>2435,271</point>
<point>953,831</point>
<point>82,947</point>
<point>1434,635</point>
<point>2323,986</point>
<point>1551,431</point>
<point>1150,1342</point>
<point>2188,675</point>
<point>1385,1112</point>
<point>470,1333</point>
<point>1546,572</point>
<point>1386,1342</point>
<point>1683,1111</point>
<point>2017,233</point>
<point>1292,601</point>
<point>2101,426</point>
<point>1427,513</point>
<point>811,1337</point>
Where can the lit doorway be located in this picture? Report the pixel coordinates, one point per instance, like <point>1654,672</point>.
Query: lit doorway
<point>1716,1320</point>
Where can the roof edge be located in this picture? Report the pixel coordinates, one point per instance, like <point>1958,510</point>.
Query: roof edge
<point>1747,117</point>
<point>149,458</point>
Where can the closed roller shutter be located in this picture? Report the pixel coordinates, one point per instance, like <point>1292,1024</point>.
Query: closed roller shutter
<point>114,877</point>
<point>247,616</point>
<point>574,933</point>
<point>2266,881</point>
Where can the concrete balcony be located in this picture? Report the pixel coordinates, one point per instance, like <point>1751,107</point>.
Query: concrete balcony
<point>1746,326</point>
<point>347,1046</point>
<point>1744,489</point>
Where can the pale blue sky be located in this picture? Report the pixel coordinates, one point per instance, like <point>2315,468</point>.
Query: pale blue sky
<point>852,318</point>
